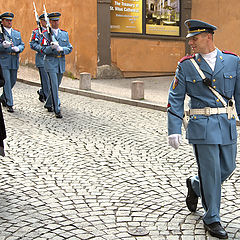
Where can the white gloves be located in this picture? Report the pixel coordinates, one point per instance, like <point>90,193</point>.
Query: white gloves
<point>174,140</point>
<point>59,49</point>
<point>15,49</point>
<point>54,45</point>
<point>6,44</point>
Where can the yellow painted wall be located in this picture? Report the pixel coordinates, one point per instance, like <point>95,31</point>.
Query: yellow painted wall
<point>135,57</point>
<point>223,14</point>
<point>146,57</point>
<point>139,57</point>
<point>79,19</point>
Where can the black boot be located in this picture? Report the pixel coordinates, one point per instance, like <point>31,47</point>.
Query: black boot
<point>216,230</point>
<point>58,115</point>
<point>192,198</point>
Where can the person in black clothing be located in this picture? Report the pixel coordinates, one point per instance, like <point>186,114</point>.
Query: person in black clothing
<point>2,125</point>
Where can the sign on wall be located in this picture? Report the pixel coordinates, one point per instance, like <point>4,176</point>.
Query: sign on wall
<point>163,17</point>
<point>126,16</point>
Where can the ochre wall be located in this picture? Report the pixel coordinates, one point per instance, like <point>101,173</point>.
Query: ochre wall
<point>135,57</point>
<point>223,14</point>
<point>139,57</point>
<point>147,57</point>
<point>79,19</point>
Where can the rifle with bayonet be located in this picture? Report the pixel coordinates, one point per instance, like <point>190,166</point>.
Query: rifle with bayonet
<point>1,30</point>
<point>3,35</point>
<point>37,19</point>
<point>49,29</point>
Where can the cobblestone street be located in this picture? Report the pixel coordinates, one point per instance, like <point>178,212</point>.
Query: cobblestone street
<point>101,171</point>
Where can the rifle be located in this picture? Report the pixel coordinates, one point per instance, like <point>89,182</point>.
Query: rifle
<point>49,29</point>
<point>1,29</point>
<point>4,36</point>
<point>37,19</point>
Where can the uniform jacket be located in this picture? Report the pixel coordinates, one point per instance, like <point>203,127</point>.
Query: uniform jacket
<point>35,44</point>
<point>214,129</point>
<point>54,61</point>
<point>7,60</point>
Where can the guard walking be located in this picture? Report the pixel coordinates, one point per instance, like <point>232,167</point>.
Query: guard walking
<point>11,45</point>
<point>35,44</point>
<point>55,45</point>
<point>211,78</point>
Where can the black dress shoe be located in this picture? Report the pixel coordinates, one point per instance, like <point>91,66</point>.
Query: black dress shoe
<point>10,109</point>
<point>50,109</point>
<point>216,230</point>
<point>58,115</point>
<point>41,96</point>
<point>192,198</point>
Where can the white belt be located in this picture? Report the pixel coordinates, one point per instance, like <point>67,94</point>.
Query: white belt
<point>207,111</point>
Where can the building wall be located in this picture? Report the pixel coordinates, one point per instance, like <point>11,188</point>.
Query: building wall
<point>141,57</point>
<point>148,57</point>
<point>79,19</point>
<point>224,15</point>
<point>134,56</point>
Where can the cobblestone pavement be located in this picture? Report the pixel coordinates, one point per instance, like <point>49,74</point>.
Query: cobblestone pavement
<point>102,170</point>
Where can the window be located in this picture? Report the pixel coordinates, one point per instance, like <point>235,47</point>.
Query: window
<point>152,17</point>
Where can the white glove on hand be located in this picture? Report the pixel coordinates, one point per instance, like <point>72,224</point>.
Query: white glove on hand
<point>15,49</point>
<point>174,140</point>
<point>54,45</point>
<point>6,44</point>
<point>59,49</point>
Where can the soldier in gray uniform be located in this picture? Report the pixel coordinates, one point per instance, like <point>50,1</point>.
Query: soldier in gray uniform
<point>211,78</point>
<point>11,45</point>
<point>55,46</point>
<point>35,44</point>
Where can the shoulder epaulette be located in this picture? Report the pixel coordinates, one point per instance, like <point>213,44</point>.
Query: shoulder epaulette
<point>186,58</point>
<point>16,30</point>
<point>227,52</point>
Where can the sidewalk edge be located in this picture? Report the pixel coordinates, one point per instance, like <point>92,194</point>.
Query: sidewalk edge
<point>102,96</point>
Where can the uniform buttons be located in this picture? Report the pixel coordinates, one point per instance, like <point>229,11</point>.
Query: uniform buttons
<point>214,87</point>
<point>194,80</point>
<point>214,80</point>
<point>218,100</point>
<point>230,76</point>
<point>195,117</point>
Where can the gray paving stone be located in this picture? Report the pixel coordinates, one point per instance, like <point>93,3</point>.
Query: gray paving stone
<point>103,168</point>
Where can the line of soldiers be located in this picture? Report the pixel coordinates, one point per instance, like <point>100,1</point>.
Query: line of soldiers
<point>51,48</point>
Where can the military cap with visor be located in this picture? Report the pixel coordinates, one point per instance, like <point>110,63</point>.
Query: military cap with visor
<point>54,16</point>
<point>7,15</point>
<point>42,16</point>
<point>196,27</point>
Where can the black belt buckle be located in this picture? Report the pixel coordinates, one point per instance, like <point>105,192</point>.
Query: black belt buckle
<point>207,82</point>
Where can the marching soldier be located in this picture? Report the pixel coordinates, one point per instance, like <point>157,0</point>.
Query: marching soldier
<point>211,78</point>
<point>55,46</point>
<point>11,46</point>
<point>35,44</point>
